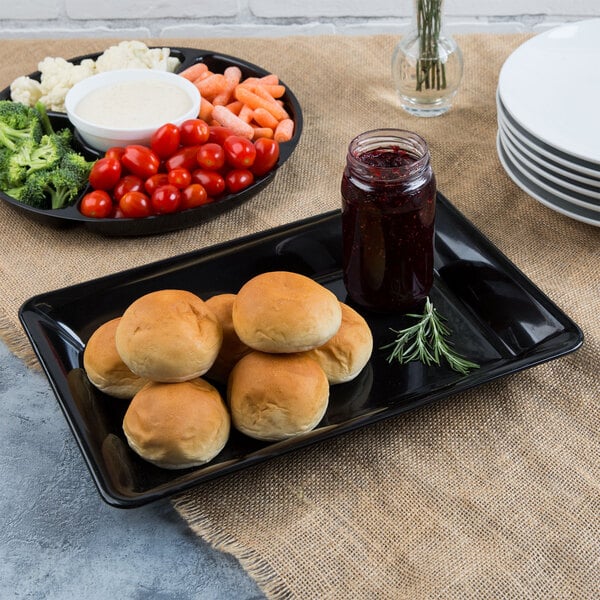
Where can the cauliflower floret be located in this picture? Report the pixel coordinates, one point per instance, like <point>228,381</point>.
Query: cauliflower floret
<point>58,76</point>
<point>25,90</point>
<point>136,55</point>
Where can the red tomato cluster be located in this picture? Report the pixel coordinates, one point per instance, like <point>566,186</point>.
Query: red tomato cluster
<point>183,167</point>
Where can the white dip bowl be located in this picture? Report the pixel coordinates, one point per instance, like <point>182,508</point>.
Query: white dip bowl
<point>117,108</point>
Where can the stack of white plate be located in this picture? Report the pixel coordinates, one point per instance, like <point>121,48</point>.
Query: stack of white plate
<point>548,102</point>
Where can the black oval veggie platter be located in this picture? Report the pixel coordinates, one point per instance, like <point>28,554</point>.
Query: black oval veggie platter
<point>155,224</point>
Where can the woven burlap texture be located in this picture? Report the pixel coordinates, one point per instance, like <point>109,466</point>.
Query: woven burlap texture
<point>492,493</point>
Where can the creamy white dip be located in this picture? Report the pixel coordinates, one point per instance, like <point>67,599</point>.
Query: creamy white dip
<point>134,104</point>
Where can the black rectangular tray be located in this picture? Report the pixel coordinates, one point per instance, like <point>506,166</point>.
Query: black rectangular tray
<point>498,317</point>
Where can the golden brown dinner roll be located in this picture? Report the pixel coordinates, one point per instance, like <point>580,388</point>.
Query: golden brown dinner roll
<point>277,396</point>
<point>105,368</point>
<point>232,348</point>
<point>169,336</point>
<point>344,356</point>
<point>177,425</point>
<point>280,311</point>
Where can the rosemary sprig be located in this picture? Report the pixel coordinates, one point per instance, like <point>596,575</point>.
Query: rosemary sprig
<point>427,342</point>
<point>431,71</point>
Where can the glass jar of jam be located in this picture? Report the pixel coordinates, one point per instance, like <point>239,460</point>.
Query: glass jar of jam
<point>388,213</point>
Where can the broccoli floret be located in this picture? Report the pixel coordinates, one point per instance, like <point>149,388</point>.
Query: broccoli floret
<point>33,192</point>
<point>11,173</point>
<point>31,157</point>
<point>64,138</point>
<point>56,187</point>
<point>68,179</point>
<point>40,167</point>
<point>18,122</point>
<point>77,163</point>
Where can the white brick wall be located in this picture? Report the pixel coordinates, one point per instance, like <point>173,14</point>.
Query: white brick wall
<point>245,18</point>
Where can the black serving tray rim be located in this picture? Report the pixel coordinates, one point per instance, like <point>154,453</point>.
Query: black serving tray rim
<point>30,316</point>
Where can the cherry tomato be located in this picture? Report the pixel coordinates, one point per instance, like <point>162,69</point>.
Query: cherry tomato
<point>166,199</point>
<point>193,132</point>
<point>128,183</point>
<point>114,152</point>
<point>97,204</point>
<point>239,152</point>
<point>135,204</point>
<point>184,158</point>
<point>155,182</point>
<point>165,140</point>
<point>211,156</point>
<point>211,181</point>
<point>267,154</point>
<point>179,177</point>
<point>218,134</point>
<point>105,173</point>
<point>140,160</point>
<point>194,195</point>
<point>238,179</point>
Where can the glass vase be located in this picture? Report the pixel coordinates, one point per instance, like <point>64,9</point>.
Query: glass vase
<point>427,64</point>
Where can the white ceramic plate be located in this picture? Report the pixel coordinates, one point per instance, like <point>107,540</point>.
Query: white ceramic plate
<point>546,161</point>
<point>543,196</point>
<point>568,162</point>
<point>550,86</point>
<point>587,197</point>
<point>547,186</point>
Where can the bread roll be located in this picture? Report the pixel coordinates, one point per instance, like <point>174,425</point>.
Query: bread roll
<point>344,356</point>
<point>169,336</point>
<point>104,367</point>
<point>232,348</point>
<point>277,396</point>
<point>284,312</point>
<point>177,425</point>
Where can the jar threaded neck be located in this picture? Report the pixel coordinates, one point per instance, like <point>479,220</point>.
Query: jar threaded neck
<point>412,150</point>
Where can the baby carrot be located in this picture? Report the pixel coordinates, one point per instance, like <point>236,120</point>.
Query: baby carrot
<point>276,91</point>
<point>270,79</point>
<point>263,132</point>
<point>250,81</point>
<point>264,118</point>
<point>206,109</point>
<point>246,113</point>
<point>284,131</point>
<point>212,85</point>
<point>194,71</point>
<point>255,101</point>
<point>201,77</point>
<point>227,119</point>
<point>223,97</point>
<point>232,75</point>
<point>235,107</point>
<point>262,92</point>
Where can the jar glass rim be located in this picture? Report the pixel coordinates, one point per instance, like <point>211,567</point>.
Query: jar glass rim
<point>374,139</point>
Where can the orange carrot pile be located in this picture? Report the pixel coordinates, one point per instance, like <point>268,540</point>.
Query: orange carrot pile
<point>250,107</point>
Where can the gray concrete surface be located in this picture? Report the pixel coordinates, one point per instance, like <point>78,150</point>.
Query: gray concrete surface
<point>60,541</point>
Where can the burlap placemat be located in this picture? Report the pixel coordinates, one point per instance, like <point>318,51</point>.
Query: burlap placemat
<point>489,494</point>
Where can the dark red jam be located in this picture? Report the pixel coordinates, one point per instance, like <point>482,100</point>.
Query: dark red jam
<point>388,214</point>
